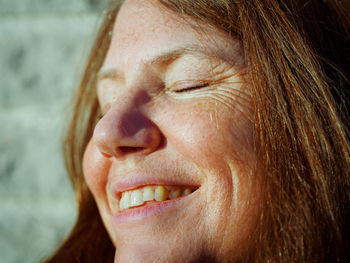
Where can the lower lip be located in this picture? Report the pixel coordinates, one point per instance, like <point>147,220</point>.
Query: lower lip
<point>153,209</point>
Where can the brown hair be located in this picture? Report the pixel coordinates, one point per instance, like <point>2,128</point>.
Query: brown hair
<point>297,56</point>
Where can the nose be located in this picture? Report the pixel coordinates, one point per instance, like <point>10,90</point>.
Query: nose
<point>125,130</point>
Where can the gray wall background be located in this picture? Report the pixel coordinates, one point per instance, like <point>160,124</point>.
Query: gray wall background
<point>43,47</point>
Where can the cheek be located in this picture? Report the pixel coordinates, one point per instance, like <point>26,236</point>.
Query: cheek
<point>211,135</point>
<point>95,169</point>
<point>220,141</point>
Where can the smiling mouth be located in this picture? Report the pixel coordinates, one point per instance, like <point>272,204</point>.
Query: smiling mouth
<point>152,194</point>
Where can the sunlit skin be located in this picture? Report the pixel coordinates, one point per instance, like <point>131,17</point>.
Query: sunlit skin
<point>176,108</point>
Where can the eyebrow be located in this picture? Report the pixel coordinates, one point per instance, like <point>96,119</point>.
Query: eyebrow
<point>166,57</point>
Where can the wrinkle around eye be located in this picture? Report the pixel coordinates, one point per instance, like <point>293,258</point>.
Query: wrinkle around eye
<point>229,81</point>
<point>234,95</point>
<point>238,100</point>
<point>198,70</point>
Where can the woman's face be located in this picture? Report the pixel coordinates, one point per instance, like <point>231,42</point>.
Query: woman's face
<point>171,164</point>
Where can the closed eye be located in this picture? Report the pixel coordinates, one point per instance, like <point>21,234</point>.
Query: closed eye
<point>192,88</point>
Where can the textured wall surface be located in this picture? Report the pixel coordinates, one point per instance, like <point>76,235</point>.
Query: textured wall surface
<point>43,46</point>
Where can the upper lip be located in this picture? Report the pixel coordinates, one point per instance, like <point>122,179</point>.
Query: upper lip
<point>138,180</point>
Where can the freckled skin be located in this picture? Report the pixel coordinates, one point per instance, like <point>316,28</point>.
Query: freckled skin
<point>204,135</point>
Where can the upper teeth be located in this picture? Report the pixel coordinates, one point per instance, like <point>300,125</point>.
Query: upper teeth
<point>159,193</point>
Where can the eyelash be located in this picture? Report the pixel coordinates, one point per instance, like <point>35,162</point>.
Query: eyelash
<point>191,88</point>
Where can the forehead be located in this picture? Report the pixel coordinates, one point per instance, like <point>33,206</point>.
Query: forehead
<point>145,28</point>
<point>135,15</point>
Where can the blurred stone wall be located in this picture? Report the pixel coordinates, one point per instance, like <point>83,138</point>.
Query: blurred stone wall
<point>43,47</point>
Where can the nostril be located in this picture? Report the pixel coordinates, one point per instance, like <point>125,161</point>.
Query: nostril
<point>127,149</point>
